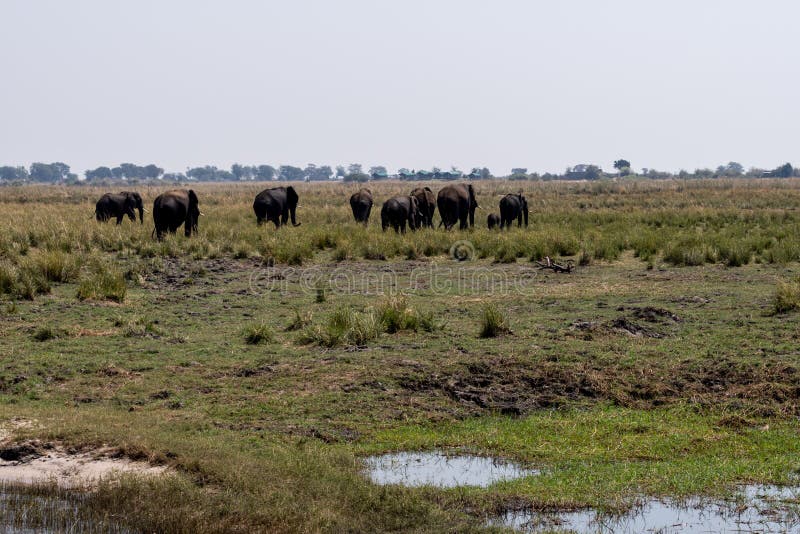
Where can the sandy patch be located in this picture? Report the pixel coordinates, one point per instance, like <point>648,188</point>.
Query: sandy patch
<point>32,462</point>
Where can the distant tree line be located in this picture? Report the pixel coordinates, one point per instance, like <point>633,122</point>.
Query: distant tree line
<point>58,172</point>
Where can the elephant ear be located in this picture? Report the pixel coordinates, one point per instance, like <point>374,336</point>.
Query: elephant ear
<point>428,189</point>
<point>291,196</point>
<point>193,198</point>
<point>472,198</point>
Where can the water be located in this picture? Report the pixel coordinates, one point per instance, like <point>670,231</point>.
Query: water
<point>441,470</point>
<point>28,513</point>
<point>758,508</point>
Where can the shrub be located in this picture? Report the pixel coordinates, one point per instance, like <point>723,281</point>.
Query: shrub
<point>493,323</point>
<point>787,296</point>
<point>299,321</point>
<point>54,266</point>
<point>395,315</point>
<point>45,333</point>
<point>139,327</point>
<point>22,282</point>
<point>103,283</point>
<point>256,334</point>
<point>344,326</point>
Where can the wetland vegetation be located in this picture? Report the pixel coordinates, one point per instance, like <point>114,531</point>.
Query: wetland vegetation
<point>263,366</point>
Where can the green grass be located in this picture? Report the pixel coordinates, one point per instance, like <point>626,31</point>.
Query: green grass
<point>119,340</point>
<point>102,283</point>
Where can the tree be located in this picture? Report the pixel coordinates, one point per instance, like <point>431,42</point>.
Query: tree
<point>265,172</point>
<point>732,169</point>
<point>152,172</point>
<point>318,174</point>
<point>50,172</point>
<point>784,171</point>
<point>13,173</point>
<point>593,172</point>
<point>485,173</point>
<point>518,173</point>
<point>291,173</point>
<point>243,172</point>
<point>209,173</point>
<point>355,168</point>
<point>622,164</point>
<point>340,171</point>
<point>100,173</point>
<point>378,172</point>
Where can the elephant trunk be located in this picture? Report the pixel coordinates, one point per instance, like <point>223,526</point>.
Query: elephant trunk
<point>292,212</point>
<point>525,214</point>
<point>141,215</point>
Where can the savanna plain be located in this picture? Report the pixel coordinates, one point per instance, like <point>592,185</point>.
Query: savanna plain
<point>261,366</point>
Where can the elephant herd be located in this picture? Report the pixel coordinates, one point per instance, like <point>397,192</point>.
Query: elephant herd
<point>456,204</point>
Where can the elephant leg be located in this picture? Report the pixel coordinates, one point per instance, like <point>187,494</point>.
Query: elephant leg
<point>119,218</point>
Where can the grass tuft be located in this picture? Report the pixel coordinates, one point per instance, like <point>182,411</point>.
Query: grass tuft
<point>787,296</point>
<point>256,334</point>
<point>103,283</point>
<point>493,323</point>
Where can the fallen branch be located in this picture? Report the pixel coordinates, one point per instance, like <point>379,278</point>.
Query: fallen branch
<point>550,264</point>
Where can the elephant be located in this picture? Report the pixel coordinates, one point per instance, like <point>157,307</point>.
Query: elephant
<point>513,206</point>
<point>174,208</point>
<point>397,211</point>
<point>457,203</point>
<point>493,221</point>
<point>427,205</point>
<point>119,205</point>
<point>276,204</point>
<point>361,203</point>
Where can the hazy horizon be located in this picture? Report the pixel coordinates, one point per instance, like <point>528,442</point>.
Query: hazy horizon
<point>678,85</point>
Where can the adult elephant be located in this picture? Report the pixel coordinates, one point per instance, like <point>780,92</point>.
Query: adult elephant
<point>397,211</point>
<point>173,209</point>
<point>118,205</point>
<point>276,204</point>
<point>457,203</point>
<point>361,204</point>
<point>513,206</point>
<point>427,205</point>
<point>493,221</point>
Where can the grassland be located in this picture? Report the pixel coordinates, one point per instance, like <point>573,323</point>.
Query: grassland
<point>262,364</point>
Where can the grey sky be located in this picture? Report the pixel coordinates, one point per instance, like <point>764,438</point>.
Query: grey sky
<point>665,84</point>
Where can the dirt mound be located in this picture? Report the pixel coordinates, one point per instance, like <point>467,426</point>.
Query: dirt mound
<point>627,326</point>
<point>516,387</point>
<point>660,323</point>
<point>653,315</point>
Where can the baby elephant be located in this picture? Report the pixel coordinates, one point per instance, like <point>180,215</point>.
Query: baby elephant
<point>493,221</point>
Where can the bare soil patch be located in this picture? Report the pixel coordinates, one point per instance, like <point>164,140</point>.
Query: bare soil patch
<point>32,462</point>
<point>516,387</point>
